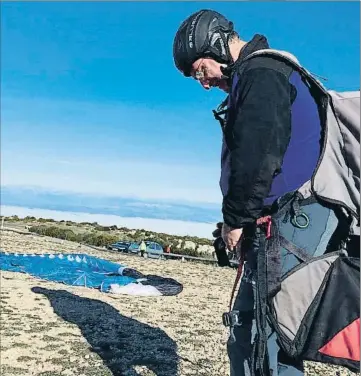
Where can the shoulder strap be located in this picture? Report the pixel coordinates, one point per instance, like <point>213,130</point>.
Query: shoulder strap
<point>293,61</point>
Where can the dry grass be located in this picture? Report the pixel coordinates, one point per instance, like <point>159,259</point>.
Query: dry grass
<point>50,329</point>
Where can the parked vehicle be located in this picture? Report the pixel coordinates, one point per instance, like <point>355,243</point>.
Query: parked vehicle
<point>119,246</point>
<point>154,249</point>
<point>133,247</point>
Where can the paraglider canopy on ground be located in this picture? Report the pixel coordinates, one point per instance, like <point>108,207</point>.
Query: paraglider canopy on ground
<point>89,271</point>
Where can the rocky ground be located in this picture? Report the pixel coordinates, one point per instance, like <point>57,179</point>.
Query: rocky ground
<point>49,329</point>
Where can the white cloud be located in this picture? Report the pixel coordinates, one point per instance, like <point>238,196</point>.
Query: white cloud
<point>138,179</point>
<point>113,149</point>
<point>158,225</point>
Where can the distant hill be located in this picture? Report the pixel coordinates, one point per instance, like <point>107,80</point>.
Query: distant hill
<point>97,235</point>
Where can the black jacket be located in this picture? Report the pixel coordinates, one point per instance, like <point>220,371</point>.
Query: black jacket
<point>257,132</point>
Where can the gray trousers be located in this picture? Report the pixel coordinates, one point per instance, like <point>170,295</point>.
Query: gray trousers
<point>239,344</point>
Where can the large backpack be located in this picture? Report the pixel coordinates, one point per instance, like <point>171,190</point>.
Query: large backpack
<point>340,154</point>
<point>308,286</point>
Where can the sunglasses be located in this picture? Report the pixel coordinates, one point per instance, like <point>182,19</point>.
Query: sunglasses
<point>200,73</point>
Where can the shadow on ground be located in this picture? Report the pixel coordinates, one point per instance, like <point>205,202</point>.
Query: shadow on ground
<point>120,341</point>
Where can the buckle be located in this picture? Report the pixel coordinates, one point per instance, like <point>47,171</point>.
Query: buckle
<point>231,318</point>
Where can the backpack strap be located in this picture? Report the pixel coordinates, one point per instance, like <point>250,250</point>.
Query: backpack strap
<point>293,61</point>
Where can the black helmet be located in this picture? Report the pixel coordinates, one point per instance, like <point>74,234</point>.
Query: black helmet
<point>203,34</point>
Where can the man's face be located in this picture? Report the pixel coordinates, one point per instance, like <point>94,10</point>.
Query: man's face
<point>208,72</point>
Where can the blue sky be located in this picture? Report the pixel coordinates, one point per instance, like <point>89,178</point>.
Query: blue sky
<point>91,102</point>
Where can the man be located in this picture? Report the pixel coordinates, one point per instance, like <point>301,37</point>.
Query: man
<point>142,248</point>
<point>259,120</point>
<point>262,159</point>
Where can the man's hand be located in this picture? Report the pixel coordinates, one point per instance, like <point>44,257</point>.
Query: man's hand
<point>218,231</point>
<point>231,236</point>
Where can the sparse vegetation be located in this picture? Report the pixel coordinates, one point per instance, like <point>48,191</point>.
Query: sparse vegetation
<point>101,236</point>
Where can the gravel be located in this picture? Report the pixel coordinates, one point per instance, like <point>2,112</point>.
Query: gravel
<point>53,329</point>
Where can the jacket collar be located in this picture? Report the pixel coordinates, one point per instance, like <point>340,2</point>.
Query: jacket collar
<point>258,42</point>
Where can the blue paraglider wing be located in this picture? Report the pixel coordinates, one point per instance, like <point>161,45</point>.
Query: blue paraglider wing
<point>84,270</point>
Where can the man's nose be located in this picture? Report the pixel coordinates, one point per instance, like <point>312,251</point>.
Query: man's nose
<point>205,85</point>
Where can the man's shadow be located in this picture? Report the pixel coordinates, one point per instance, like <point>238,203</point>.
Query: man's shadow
<point>120,341</point>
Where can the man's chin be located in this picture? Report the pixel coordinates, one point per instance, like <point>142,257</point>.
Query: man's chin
<point>221,85</point>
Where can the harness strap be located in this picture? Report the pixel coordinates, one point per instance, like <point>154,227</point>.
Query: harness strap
<point>300,253</point>
<point>269,283</point>
<point>273,261</point>
<point>261,308</point>
<point>263,220</point>
<point>273,265</point>
<point>238,276</point>
<point>268,280</point>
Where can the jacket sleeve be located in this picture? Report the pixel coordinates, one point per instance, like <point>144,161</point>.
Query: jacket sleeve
<point>258,138</point>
